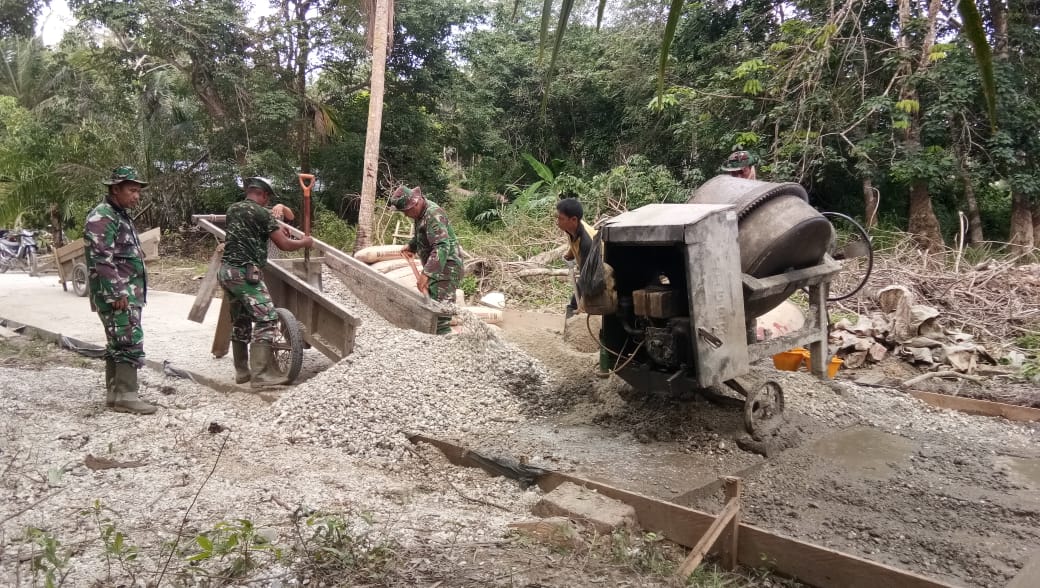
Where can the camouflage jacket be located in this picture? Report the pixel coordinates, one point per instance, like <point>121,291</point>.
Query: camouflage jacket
<point>115,260</point>
<point>435,243</point>
<point>249,226</point>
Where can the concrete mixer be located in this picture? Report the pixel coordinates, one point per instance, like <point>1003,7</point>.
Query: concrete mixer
<point>687,281</point>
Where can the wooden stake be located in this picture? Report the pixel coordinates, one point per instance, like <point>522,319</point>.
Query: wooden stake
<point>727,519</point>
<point>728,547</point>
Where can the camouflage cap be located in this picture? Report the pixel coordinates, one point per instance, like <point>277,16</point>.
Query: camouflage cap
<point>124,173</point>
<point>404,198</point>
<point>738,160</point>
<point>259,182</point>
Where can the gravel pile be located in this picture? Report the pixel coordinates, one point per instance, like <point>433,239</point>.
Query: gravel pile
<point>401,381</point>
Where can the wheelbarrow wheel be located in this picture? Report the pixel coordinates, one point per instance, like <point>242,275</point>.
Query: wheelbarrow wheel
<point>79,279</point>
<point>287,347</point>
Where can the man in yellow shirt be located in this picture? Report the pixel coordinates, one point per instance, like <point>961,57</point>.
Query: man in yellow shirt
<point>569,215</point>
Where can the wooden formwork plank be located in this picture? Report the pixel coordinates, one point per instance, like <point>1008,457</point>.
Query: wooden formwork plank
<point>978,407</point>
<point>207,289</point>
<point>757,548</point>
<point>222,336</point>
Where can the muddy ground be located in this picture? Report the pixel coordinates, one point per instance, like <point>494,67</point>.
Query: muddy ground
<point>863,470</point>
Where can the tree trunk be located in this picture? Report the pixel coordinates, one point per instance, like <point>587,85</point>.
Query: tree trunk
<point>1021,239</point>
<point>375,125</point>
<point>1036,224</point>
<point>923,223</point>
<point>870,203</point>
<point>975,237</point>
<point>303,54</point>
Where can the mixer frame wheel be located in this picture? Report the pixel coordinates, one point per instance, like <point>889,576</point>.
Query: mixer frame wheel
<point>763,404</point>
<point>857,246</point>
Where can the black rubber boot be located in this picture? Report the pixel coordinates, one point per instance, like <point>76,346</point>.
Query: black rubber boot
<point>264,370</point>
<point>240,353</point>
<point>124,386</point>
<point>110,376</point>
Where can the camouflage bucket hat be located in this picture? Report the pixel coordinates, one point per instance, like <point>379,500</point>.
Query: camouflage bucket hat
<point>738,160</point>
<point>404,198</point>
<point>259,182</point>
<point>124,173</point>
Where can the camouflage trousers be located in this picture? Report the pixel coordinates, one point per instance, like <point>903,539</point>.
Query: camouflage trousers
<point>443,290</point>
<point>125,335</point>
<point>250,303</point>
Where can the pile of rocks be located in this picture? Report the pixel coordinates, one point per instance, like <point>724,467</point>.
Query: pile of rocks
<point>908,330</point>
<point>400,381</point>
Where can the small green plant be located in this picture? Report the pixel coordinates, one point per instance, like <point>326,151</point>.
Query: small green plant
<point>52,559</point>
<point>117,545</point>
<point>482,211</point>
<point>643,554</point>
<point>1030,341</point>
<point>235,547</point>
<point>332,546</point>
<point>469,285</point>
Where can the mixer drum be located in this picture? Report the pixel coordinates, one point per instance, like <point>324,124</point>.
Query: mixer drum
<point>777,229</point>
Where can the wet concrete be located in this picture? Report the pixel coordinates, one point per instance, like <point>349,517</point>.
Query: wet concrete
<point>868,453</point>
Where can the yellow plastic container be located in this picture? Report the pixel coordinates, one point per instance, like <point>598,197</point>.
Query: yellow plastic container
<point>834,366</point>
<point>792,360</point>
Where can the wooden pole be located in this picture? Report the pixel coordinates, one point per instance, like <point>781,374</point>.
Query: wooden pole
<point>727,519</point>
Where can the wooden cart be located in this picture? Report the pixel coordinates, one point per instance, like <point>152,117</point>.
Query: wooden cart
<point>72,262</point>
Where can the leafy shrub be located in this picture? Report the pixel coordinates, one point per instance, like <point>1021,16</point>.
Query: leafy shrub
<point>332,229</point>
<point>482,211</point>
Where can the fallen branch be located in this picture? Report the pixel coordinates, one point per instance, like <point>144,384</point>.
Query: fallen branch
<point>528,273</point>
<point>942,374</point>
<point>184,519</point>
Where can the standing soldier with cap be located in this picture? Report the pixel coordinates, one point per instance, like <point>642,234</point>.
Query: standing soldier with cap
<point>118,287</point>
<point>740,164</point>
<point>249,225</point>
<point>436,245</point>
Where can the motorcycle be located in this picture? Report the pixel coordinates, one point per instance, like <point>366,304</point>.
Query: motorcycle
<point>18,248</point>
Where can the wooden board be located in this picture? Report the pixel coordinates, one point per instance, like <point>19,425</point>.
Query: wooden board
<point>979,407</point>
<point>207,288</point>
<point>757,548</point>
<point>222,338</point>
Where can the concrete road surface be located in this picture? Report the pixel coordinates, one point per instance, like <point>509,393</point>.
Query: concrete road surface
<point>40,302</point>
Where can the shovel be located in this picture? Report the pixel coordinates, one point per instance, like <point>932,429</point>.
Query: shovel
<point>306,181</point>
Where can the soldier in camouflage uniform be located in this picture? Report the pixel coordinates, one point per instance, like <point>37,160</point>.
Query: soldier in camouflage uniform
<point>249,225</point>
<point>436,245</point>
<point>118,287</point>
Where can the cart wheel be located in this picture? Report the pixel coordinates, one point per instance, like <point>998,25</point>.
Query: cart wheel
<point>79,279</point>
<point>763,408</point>
<point>288,345</point>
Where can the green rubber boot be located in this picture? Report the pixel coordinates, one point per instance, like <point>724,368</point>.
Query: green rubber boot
<point>110,376</point>
<point>124,386</point>
<point>240,353</point>
<point>264,370</point>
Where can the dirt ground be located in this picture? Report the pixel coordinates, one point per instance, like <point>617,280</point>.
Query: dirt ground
<point>864,470</point>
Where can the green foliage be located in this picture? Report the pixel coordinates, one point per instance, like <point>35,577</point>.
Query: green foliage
<point>482,211</point>
<point>469,285</point>
<point>327,226</point>
<point>632,185</point>
<point>116,544</point>
<point>51,561</point>
<point>231,550</point>
<point>331,546</point>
